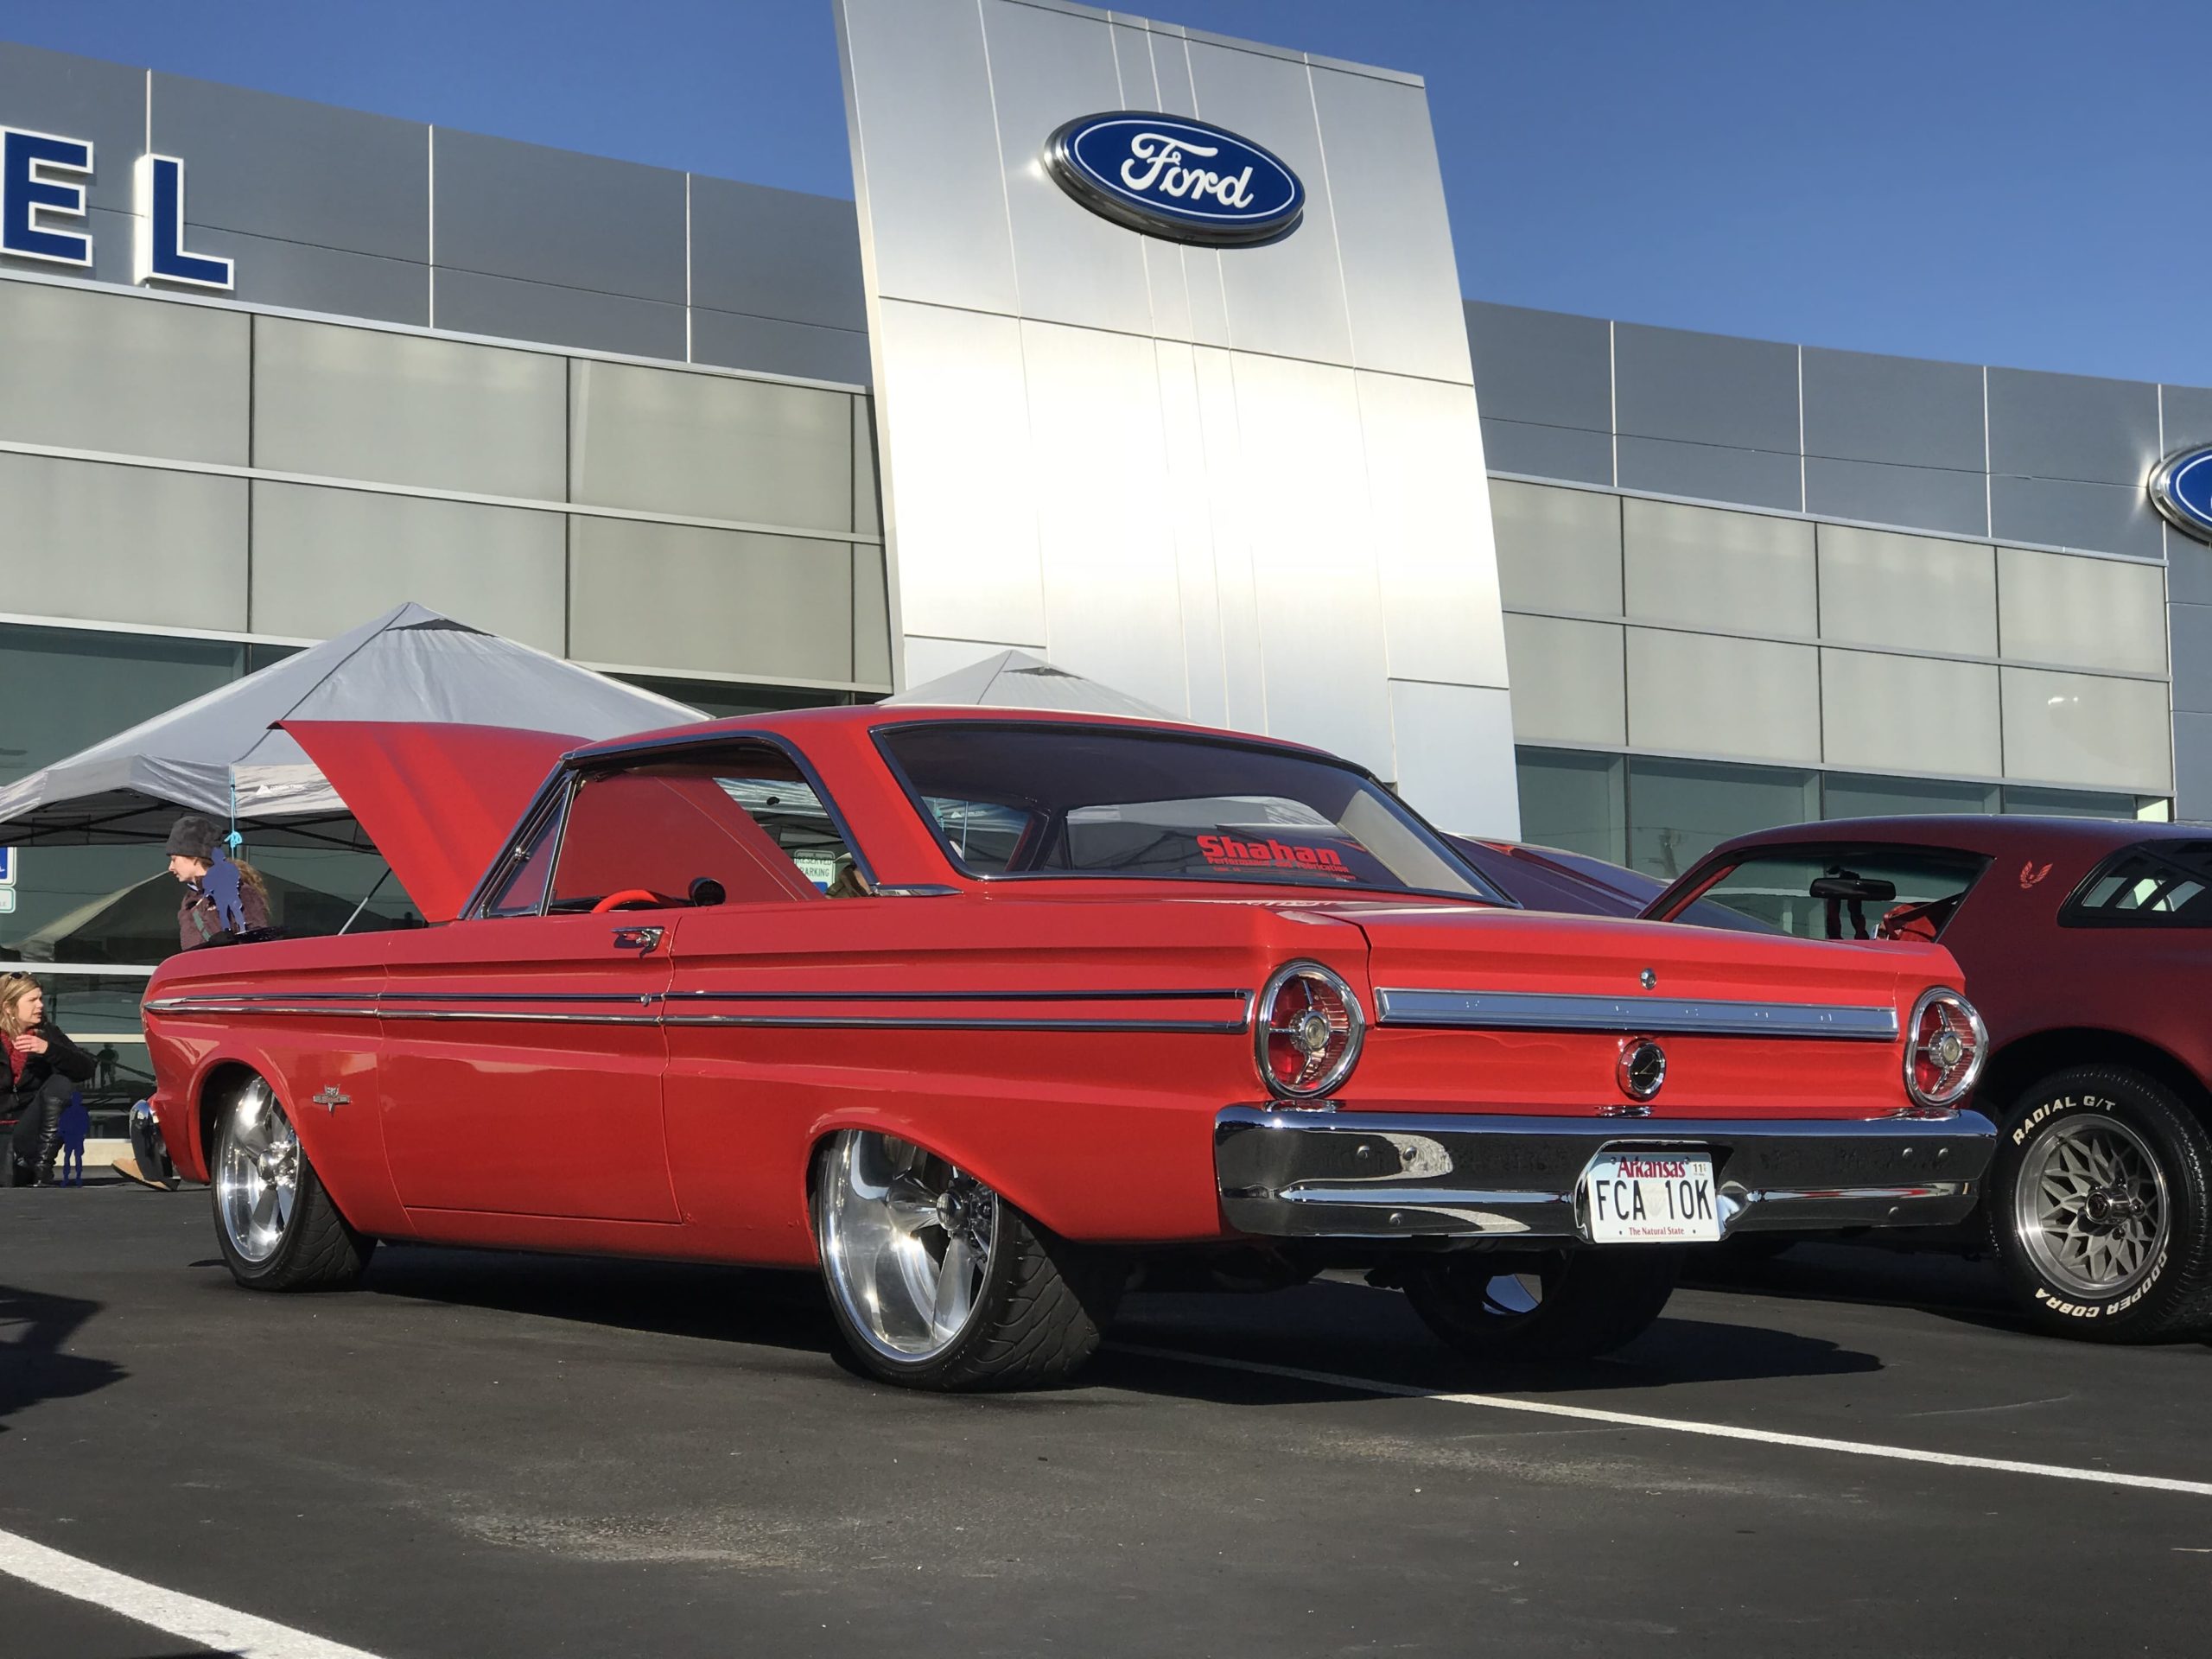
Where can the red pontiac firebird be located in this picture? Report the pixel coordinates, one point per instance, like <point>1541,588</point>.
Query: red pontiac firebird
<point>2085,942</point>
<point>973,1010</point>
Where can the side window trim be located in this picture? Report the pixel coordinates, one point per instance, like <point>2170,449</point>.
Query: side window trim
<point>551,804</point>
<point>647,753</point>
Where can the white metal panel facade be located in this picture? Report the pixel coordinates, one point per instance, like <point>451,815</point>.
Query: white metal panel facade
<point>1245,484</point>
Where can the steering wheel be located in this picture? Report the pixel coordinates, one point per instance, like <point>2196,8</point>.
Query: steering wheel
<point>623,896</point>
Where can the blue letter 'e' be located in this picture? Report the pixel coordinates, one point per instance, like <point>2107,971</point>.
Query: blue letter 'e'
<point>26,191</point>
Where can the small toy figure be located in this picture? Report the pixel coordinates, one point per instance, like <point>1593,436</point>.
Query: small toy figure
<point>76,1124</point>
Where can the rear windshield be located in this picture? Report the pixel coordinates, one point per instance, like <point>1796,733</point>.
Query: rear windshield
<point>2157,884</point>
<point>1087,801</point>
<point>1839,892</point>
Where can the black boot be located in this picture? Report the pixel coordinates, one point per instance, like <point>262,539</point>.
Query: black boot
<point>49,1148</point>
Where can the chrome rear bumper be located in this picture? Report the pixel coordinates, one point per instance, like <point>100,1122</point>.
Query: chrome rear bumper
<point>1371,1175</point>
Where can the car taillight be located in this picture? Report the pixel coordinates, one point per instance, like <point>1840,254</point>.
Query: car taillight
<point>1309,1030</point>
<point>1945,1043</point>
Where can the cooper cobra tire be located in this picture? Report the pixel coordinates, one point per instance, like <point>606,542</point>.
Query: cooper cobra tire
<point>1564,1305</point>
<point>937,1283</point>
<point>278,1226</point>
<point>2099,1205</point>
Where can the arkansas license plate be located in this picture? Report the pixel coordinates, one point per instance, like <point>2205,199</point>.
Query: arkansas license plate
<point>1645,1197</point>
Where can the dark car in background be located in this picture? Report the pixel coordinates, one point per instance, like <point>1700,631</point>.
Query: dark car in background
<point>1549,878</point>
<point>2086,947</point>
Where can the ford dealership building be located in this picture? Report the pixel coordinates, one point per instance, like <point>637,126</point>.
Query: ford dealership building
<point>1186,398</point>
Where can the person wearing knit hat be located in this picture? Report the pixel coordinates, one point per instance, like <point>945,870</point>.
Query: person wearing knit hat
<point>225,898</point>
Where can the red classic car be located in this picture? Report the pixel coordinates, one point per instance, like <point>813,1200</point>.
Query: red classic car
<point>975,1011</point>
<point>2081,938</point>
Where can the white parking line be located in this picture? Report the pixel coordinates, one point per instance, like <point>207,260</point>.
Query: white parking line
<point>210,1625</point>
<point>1677,1425</point>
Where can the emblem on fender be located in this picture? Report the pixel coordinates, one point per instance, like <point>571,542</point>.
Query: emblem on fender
<point>331,1100</point>
<point>1186,180</point>
<point>2181,489</point>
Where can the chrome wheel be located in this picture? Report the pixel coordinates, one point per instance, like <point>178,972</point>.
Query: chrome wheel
<point>256,1175</point>
<point>2090,1207</point>
<point>906,1240</point>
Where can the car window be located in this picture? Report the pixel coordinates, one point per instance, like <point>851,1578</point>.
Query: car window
<point>522,891</point>
<point>1839,892</point>
<point>2157,884</point>
<point>739,826</point>
<point>1051,800</point>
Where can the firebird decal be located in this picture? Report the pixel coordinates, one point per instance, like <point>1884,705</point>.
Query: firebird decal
<point>2030,875</point>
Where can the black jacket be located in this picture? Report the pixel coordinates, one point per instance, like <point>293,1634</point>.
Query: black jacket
<point>61,1056</point>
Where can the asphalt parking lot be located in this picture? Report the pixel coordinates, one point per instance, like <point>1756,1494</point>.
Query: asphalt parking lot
<point>489,1455</point>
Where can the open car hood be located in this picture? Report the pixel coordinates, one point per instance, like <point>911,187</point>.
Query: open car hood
<point>438,798</point>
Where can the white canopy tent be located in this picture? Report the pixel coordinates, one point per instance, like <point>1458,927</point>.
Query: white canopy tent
<point>219,755</point>
<point>1015,679</point>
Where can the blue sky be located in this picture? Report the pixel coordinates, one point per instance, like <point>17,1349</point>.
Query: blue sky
<point>1941,178</point>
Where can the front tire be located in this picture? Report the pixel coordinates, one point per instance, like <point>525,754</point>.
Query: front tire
<point>277,1227</point>
<point>1562,1305</point>
<point>937,1283</point>
<point>2100,1208</point>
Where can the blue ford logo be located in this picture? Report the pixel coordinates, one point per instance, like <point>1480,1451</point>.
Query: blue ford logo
<point>2182,490</point>
<point>1183,180</point>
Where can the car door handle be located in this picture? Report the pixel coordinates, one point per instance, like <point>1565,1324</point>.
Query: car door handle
<point>640,939</point>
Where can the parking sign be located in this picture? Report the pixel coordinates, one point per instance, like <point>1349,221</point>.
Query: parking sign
<point>6,867</point>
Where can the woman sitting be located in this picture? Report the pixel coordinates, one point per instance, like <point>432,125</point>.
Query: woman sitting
<point>43,1067</point>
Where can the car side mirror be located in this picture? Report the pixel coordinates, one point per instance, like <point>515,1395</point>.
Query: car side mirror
<point>706,892</point>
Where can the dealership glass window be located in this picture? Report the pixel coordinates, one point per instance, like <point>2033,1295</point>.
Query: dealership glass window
<point>677,596</point>
<point>2071,802</point>
<point>1920,593</point>
<point>122,543</point>
<point>1680,810</point>
<point>1575,802</point>
<point>2083,731</point>
<point>1853,795</point>
<point>126,373</point>
<point>405,408</point>
<point>64,690</point>
<point>1569,680</point>
<point>711,446</point>
<point>2083,612</point>
<point>327,560</point>
<point>1557,550</point>
<point>1707,568</point>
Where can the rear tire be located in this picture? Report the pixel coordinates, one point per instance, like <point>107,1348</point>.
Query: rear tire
<point>2100,1208</point>
<point>937,1283</point>
<point>278,1226</point>
<point>1562,1305</point>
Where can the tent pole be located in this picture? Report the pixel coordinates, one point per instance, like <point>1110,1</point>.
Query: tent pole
<point>365,897</point>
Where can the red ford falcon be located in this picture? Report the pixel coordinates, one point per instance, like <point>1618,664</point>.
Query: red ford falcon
<point>974,1010</point>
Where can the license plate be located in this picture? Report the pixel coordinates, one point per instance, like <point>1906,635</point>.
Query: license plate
<point>1651,1198</point>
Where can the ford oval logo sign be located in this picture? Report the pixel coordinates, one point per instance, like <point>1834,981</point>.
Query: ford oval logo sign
<point>1170,177</point>
<point>2182,490</point>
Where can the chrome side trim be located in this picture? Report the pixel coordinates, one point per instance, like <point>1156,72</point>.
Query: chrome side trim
<point>956,996</point>
<point>1517,1178</point>
<point>851,1022</point>
<point>1523,1011</point>
<point>653,1010</point>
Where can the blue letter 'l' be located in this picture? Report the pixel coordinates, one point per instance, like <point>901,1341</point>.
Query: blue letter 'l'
<point>161,255</point>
